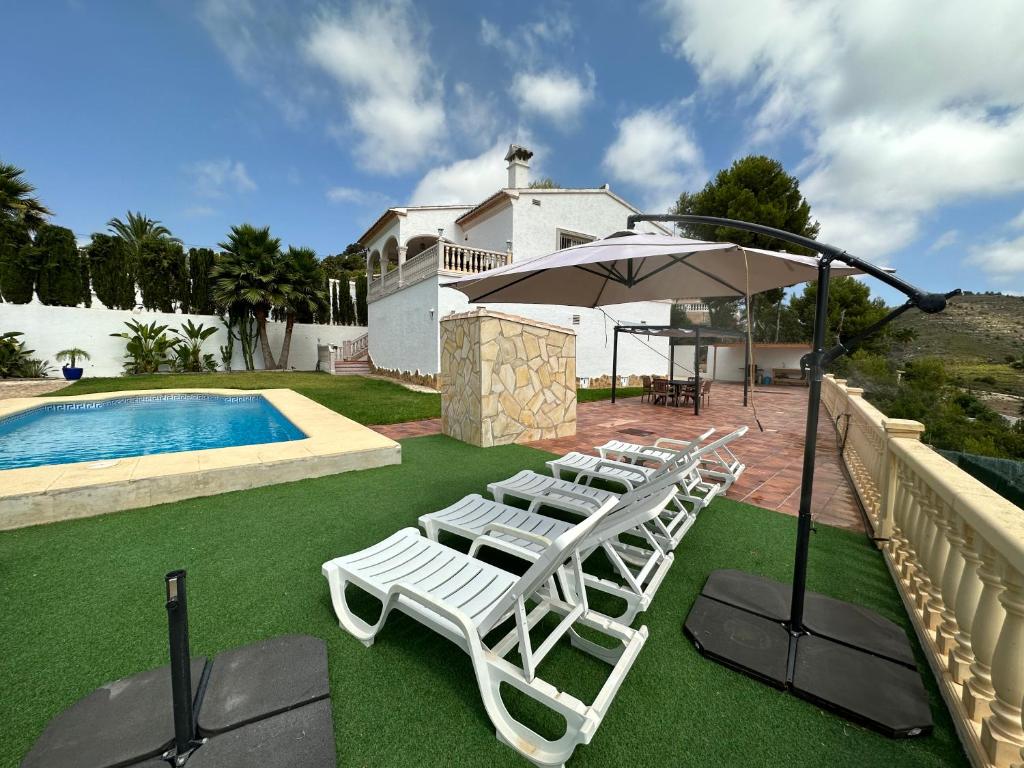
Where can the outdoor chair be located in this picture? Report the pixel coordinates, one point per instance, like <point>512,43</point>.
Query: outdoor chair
<point>662,392</point>
<point>467,601</point>
<point>648,385</point>
<point>579,496</point>
<point>705,391</point>
<point>640,567</point>
<point>721,464</point>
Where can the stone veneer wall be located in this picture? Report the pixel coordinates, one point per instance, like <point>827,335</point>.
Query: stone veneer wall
<point>506,379</point>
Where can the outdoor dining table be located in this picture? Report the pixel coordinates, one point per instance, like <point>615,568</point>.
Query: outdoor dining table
<point>681,385</point>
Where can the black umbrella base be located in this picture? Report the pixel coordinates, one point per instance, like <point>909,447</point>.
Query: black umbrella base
<point>265,705</point>
<point>850,660</point>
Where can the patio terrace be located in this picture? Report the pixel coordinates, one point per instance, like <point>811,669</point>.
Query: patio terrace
<point>82,602</point>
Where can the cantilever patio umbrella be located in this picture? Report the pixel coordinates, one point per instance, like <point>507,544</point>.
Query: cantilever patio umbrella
<point>836,654</point>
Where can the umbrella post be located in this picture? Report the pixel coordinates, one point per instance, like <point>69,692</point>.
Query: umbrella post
<point>746,369</point>
<point>696,374</point>
<point>803,530</point>
<point>671,359</point>
<point>615,360</point>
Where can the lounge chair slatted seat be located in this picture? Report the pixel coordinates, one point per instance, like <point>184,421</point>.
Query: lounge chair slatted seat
<point>640,568</point>
<point>465,599</point>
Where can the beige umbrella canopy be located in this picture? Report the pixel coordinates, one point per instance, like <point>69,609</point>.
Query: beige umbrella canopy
<point>632,266</point>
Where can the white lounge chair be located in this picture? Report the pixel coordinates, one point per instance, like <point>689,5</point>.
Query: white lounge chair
<point>640,569</point>
<point>720,464</point>
<point>664,449</point>
<point>465,599</point>
<point>692,495</point>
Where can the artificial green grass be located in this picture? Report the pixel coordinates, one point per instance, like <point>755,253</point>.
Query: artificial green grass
<point>82,604</point>
<point>368,401</point>
<point>590,395</point>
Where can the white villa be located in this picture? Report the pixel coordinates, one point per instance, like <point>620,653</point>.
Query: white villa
<point>412,250</point>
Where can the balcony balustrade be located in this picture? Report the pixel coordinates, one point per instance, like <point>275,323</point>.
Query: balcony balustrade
<point>440,258</point>
<point>955,549</point>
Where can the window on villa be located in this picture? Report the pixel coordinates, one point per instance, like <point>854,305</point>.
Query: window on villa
<point>569,239</point>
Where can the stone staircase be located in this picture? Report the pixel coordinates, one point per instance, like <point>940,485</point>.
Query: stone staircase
<point>355,358</point>
<point>351,368</point>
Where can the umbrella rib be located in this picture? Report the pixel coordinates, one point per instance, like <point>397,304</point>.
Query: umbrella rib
<point>483,296</point>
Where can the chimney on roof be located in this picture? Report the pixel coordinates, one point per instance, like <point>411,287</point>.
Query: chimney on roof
<point>518,166</point>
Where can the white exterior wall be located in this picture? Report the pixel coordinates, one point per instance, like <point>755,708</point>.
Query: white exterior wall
<point>50,329</point>
<point>403,334</point>
<point>594,213</point>
<point>426,221</point>
<point>492,232</point>
<point>728,360</point>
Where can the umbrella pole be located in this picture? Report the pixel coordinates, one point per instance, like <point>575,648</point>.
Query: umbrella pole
<point>746,369</point>
<point>696,374</point>
<point>615,360</point>
<point>803,531</point>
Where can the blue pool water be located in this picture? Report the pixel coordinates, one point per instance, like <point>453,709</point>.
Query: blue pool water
<point>62,433</point>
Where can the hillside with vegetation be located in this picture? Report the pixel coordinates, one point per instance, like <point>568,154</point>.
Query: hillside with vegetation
<point>979,338</point>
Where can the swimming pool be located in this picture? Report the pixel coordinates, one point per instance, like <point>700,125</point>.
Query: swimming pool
<point>139,425</point>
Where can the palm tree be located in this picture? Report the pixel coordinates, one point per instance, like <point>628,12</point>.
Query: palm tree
<point>137,230</point>
<point>247,274</point>
<point>16,201</point>
<point>302,274</point>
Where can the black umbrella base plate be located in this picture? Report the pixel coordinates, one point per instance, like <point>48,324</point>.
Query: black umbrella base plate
<point>265,705</point>
<point>850,660</point>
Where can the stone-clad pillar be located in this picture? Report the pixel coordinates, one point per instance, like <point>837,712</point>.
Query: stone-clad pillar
<point>506,379</point>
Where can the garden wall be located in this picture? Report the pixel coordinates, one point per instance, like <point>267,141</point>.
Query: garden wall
<point>50,329</point>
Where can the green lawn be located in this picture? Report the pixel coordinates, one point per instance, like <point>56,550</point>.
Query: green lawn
<point>368,401</point>
<point>82,604</point>
<point>590,395</point>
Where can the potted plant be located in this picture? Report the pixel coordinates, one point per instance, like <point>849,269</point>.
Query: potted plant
<point>70,370</point>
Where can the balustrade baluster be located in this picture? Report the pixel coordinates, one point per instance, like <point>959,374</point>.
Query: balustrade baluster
<point>932,605</point>
<point>911,564</point>
<point>951,579</point>
<point>1001,733</point>
<point>967,596</point>
<point>898,543</point>
<point>978,693</point>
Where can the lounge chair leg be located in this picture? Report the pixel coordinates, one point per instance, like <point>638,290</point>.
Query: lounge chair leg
<point>363,632</point>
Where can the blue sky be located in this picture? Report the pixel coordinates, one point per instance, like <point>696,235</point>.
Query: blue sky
<point>905,124</point>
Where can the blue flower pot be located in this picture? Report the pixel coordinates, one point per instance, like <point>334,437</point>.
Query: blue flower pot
<point>71,374</point>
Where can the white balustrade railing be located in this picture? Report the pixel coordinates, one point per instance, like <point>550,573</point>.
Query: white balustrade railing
<point>440,257</point>
<point>354,348</point>
<point>955,549</point>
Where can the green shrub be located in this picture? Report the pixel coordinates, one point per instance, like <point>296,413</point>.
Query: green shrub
<point>33,368</point>
<point>13,355</point>
<point>17,272</point>
<point>200,261</point>
<point>188,353</point>
<point>59,283</point>
<point>113,277</point>
<point>163,275</point>
<point>148,348</point>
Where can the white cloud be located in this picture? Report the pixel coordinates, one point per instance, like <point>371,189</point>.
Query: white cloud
<point>1003,260</point>
<point>469,181</point>
<point>904,106</point>
<point>554,95</point>
<point>355,196</point>
<point>943,241</point>
<point>249,38</point>
<point>527,40</point>
<point>1017,222</point>
<point>215,178</point>
<point>655,153</point>
<point>379,56</point>
<point>200,212</point>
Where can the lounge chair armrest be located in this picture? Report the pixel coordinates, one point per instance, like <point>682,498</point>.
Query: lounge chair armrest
<point>492,541</point>
<point>682,445</point>
<point>593,474</point>
<point>431,603</point>
<point>524,535</point>
<point>622,466</point>
<point>589,500</point>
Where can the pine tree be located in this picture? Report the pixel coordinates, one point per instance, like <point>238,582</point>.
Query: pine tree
<point>348,309</point>
<point>200,260</point>
<point>361,310</point>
